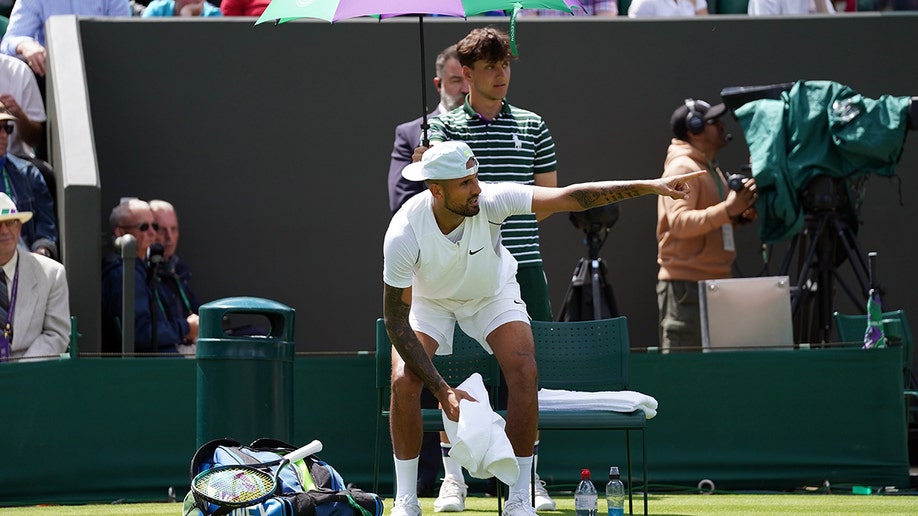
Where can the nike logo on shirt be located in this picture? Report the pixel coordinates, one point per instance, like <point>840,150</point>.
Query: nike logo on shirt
<point>473,252</point>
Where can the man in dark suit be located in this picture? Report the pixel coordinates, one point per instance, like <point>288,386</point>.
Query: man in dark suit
<point>34,298</point>
<point>453,89</point>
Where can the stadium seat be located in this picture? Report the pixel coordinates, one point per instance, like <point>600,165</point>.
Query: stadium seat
<point>589,356</point>
<point>851,328</point>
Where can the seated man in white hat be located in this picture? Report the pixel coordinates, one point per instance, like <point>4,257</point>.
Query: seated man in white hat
<point>34,298</point>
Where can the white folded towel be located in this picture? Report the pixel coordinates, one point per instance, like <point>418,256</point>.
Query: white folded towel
<point>479,442</point>
<point>616,401</point>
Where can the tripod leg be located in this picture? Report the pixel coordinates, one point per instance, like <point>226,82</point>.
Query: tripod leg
<point>853,251</point>
<point>597,289</point>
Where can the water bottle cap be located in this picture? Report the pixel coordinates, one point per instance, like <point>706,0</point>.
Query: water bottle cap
<point>584,474</point>
<point>613,472</point>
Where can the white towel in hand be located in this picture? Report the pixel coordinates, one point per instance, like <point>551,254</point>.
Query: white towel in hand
<point>616,401</point>
<point>479,442</point>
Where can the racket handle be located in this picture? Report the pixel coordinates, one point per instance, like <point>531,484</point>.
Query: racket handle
<point>305,451</point>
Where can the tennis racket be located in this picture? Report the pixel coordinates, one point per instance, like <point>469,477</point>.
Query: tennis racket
<point>245,485</point>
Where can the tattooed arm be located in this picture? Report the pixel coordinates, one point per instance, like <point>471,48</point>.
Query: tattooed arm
<point>583,196</point>
<point>396,304</point>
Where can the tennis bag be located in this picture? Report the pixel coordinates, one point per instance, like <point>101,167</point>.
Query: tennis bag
<point>307,487</point>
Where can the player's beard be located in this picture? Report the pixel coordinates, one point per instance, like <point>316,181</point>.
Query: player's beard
<point>466,210</point>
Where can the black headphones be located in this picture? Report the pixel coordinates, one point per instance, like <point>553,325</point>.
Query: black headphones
<point>694,121</point>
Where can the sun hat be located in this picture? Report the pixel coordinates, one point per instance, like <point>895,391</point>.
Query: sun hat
<point>8,210</point>
<point>5,113</point>
<point>446,160</point>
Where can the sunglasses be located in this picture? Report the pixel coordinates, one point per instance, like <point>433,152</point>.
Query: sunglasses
<point>8,126</point>
<point>143,227</point>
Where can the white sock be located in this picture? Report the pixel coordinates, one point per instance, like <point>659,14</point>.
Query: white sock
<point>521,487</point>
<point>451,468</point>
<point>406,477</point>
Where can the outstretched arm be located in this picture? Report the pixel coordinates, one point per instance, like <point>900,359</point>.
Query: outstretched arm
<point>583,196</point>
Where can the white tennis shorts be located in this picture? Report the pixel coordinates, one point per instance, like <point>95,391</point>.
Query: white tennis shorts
<point>477,317</point>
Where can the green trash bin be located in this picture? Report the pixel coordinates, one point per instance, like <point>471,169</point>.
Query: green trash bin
<point>245,382</point>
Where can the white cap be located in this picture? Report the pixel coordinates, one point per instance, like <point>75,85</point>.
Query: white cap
<point>446,160</point>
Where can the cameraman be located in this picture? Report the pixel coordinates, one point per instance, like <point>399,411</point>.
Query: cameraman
<point>695,235</point>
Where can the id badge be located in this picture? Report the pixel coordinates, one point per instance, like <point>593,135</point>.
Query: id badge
<point>727,231</point>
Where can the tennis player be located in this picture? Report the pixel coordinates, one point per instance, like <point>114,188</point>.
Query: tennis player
<point>443,263</point>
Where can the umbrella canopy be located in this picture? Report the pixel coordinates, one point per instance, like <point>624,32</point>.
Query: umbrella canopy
<point>280,11</point>
<point>335,10</point>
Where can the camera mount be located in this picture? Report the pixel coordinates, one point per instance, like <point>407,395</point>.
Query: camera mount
<point>827,240</point>
<point>821,182</point>
<point>589,296</point>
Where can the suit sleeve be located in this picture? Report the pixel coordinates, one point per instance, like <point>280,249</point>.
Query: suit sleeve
<point>401,189</point>
<point>55,333</point>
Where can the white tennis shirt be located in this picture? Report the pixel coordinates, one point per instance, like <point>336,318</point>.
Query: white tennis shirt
<point>470,263</point>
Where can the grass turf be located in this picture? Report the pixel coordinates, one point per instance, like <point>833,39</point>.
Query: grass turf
<point>662,504</point>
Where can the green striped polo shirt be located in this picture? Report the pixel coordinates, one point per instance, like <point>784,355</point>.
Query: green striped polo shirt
<point>515,147</point>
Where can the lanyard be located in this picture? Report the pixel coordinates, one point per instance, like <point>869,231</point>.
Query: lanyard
<point>7,187</point>
<point>181,289</point>
<point>8,329</point>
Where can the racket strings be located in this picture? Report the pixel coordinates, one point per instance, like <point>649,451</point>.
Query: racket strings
<point>236,485</point>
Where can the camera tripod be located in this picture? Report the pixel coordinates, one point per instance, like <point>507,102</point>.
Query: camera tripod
<point>825,243</point>
<point>589,296</point>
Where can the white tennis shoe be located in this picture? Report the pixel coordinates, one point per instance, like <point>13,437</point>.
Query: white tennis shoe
<point>518,506</point>
<point>452,496</point>
<point>407,505</point>
<point>543,502</point>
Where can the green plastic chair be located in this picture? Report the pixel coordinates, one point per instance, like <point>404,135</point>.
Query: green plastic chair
<point>851,328</point>
<point>580,356</point>
<point>589,356</point>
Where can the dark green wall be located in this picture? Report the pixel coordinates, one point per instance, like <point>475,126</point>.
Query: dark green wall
<point>96,430</point>
<point>273,142</point>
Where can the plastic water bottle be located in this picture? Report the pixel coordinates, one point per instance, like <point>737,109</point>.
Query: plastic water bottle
<point>615,493</point>
<point>585,498</point>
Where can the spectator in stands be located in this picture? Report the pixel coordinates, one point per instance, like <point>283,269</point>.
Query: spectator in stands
<point>34,299</point>
<point>789,7</point>
<point>695,235</point>
<point>592,8</point>
<point>159,8</point>
<point>25,35</point>
<point>660,8</point>
<point>174,273</point>
<point>453,88</point>
<point>243,7</point>
<point>151,300</point>
<point>25,185</point>
<point>19,93</point>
